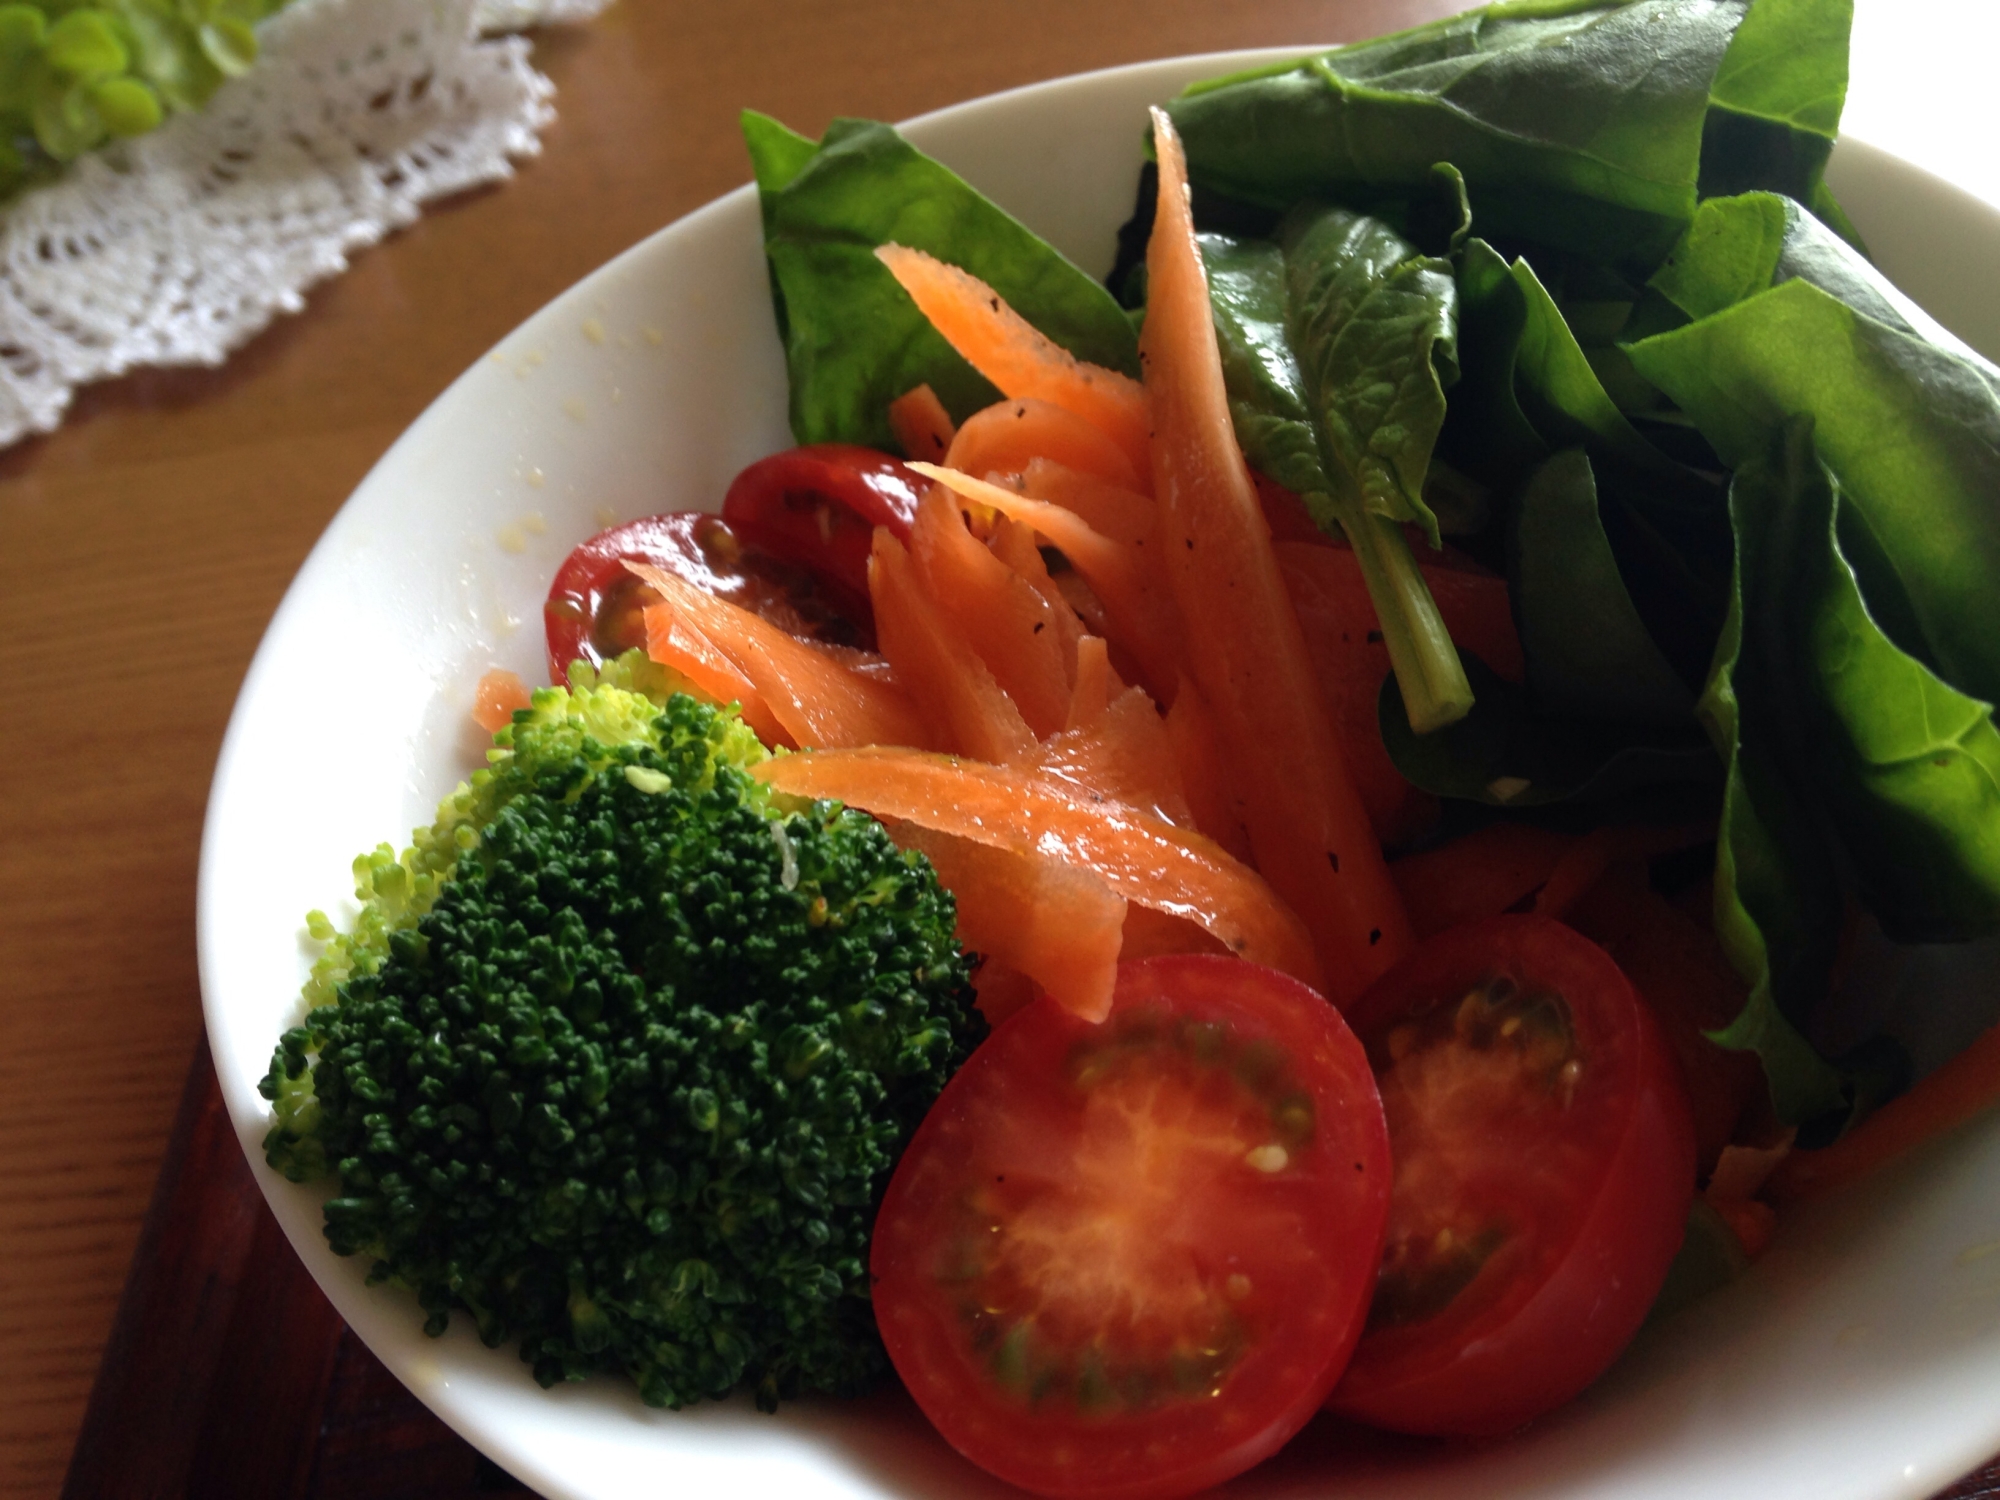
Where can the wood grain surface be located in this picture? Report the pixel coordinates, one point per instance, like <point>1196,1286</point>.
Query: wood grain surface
<point>144,546</point>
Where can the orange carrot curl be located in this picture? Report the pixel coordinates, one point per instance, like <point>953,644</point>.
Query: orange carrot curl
<point>1966,1086</point>
<point>1142,619</point>
<point>1007,436</point>
<point>1055,923</point>
<point>962,705</point>
<point>1016,356</point>
<point>1306,820</point>
<point>813,696</point>
<point>1140,856</point>
<point>495,699</point>
<point>922,426</point>
<point>1006,620</point>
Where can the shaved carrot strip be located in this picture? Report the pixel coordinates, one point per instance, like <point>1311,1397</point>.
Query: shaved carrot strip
<point>1089,610</point>
<point>937,666</point>
<point>677,642</point>
<point>1009,435</point>
<point>1091,695</point>
<point>1966,1086</point>
<point>1057,924</point>
<point>818,699</point>
<point>1149,933</point>
<point>1014,545</point>
<point>1007,622</point>
<point>922,426</point>
<point>495,698</point>
<point>1126,516</point>
<point>1482,874</point>
<point>1124,754</point>
<point>1143,858</point>
<point>1587,859</point>
<point>1000,991</point>
<point>1140,619</point>
<point>1204,779</point>
<point>1350,660</point>
<point>1306,821</point>
<point>1012,353</point>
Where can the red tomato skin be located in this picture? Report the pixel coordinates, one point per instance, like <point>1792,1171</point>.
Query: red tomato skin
<point>594,593</point>
<point>1531,1353</point>
<point>594,575</point>
<point>818,507</point>
<point>1187,1447</point>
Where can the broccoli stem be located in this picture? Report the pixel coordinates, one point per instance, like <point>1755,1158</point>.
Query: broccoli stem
<point>1421,654</point>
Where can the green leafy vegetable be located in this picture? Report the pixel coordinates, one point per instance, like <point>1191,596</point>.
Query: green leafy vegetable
<point>1906,416</point>
<point>1777,897</point>
<point>1530,389</point>
<point>1338,340</point>
<point>1906,770</point>
<point>1775,103</point>
<point>1508,753</point>
<point>853,339</point>
<point>1587,650</point>
<point>1585,125</point>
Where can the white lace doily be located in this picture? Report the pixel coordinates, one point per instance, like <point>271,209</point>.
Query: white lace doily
<point>175,248</point>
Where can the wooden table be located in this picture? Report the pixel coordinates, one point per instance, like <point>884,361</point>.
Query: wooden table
<point>144,546</point>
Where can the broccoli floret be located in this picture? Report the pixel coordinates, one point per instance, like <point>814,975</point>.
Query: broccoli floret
<point>621,1052</point>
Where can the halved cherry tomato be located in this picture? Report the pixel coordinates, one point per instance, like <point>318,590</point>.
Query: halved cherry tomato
<point>1544,1167</point>
<point>1130,1259</point>
<point>817,507</point>
<point>596,608</point>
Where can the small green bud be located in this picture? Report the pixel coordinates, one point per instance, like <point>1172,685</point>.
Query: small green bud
<point>83,46</point>
<point>127,106</point>
<point>231,45</point>
<point>22,28</point>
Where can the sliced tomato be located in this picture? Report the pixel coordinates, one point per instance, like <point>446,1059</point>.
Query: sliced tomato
<point>817,508</point>
<point>1130,1259</point>
<point>596,608</point>
<point>1544,1166</point>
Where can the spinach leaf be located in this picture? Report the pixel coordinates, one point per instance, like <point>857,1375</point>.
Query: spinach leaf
<point>1576,123</point>
<point>1777,897</point>
<point>1337,342</point>
<point>1906,770</point>
<point>1267,401</point>
<point>1587,650</point>
<point>1485,431</point>
<point>1567,403</point>
<point>853,339</point>
<point>1904,415</point>
<point>1665,522</point>
<point>1774,107</point>
<point>1529,390</point>
<point>1374,326</point>
<point>1505,753</point>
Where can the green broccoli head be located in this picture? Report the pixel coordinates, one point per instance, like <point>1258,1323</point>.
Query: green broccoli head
<point>623,1063</point>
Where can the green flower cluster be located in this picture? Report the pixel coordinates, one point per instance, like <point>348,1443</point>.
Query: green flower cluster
<point>77,73</point>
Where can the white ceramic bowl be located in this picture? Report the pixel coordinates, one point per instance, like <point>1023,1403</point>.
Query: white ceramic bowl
<point>1860,1360</point>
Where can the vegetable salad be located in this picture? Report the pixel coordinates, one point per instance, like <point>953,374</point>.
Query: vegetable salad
<point>1404,690</point>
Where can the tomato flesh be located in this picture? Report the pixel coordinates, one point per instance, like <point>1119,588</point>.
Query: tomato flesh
<point>596,607</point>
<point>1130,1259</point>
<point>1544,1151</point>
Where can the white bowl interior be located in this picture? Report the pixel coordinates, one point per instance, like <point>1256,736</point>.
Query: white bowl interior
<point>1859,1359</point>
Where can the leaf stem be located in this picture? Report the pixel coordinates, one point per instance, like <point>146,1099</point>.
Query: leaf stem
<point>1421,653</point>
